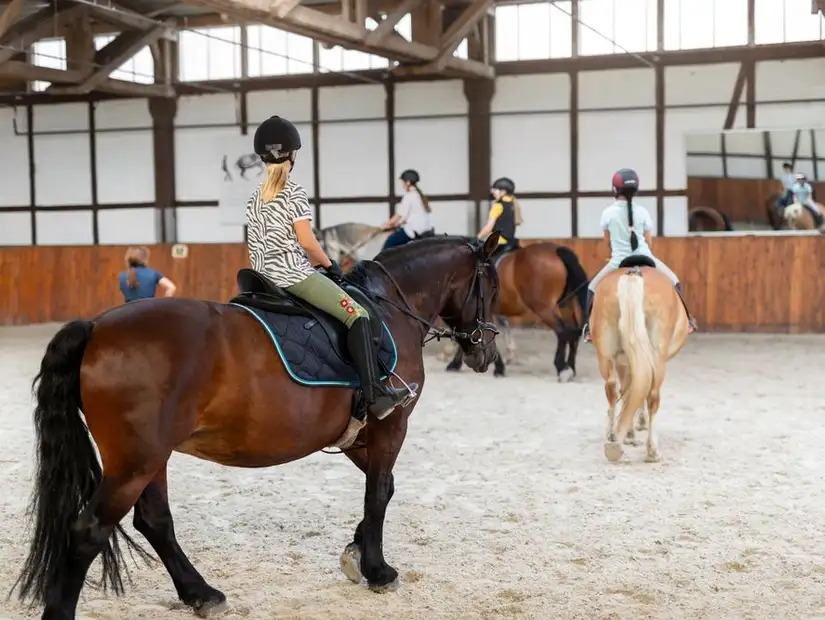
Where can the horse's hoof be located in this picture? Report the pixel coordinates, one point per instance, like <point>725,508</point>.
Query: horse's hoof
<point>632,441</point>
<point>210,609</point>
<point>498,373</point>
<point>653,458</point>
<point>350,563</point>
<point>451,368</point>
<point>392,586</point>
<point>613,451</point>
<point>566,375</point>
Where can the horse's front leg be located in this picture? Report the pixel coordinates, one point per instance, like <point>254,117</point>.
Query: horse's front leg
<point>384,441</point>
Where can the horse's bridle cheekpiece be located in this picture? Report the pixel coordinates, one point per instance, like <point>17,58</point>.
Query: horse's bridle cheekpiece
<point>432,332</point>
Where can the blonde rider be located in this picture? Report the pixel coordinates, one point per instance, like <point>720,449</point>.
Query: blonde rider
<point>283,248</point>
<point>620,222</point>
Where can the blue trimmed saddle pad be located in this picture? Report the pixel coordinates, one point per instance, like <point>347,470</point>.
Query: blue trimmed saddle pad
<point>314,352</point>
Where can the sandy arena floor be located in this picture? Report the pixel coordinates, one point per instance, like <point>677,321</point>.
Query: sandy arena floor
<point>507,510</point>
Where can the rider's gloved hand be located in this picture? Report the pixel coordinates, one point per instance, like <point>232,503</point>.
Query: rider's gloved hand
<point>334,271</point>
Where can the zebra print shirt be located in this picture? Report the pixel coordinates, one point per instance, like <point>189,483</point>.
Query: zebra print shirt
<point>274,250</point>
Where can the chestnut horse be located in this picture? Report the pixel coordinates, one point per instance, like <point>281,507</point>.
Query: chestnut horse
<point>708,219</point>
<point>203,378</point>
<point>638,323</point>
<point>547,282</point>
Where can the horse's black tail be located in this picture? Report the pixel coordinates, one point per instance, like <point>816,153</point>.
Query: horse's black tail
<point>67,472</point>
<point>577,279</point>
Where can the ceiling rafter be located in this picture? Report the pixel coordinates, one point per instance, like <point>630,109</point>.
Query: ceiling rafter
<point>338,30</point>
<point>36,26</point>
<point>111,56</point>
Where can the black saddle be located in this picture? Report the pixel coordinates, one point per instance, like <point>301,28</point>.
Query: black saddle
<point>256,291</point>
<point>637,260</point>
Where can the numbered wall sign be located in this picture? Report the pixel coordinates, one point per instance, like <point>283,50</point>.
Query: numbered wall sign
<point>180,250</point>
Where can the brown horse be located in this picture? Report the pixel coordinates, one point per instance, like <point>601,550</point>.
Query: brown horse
<point>547,282</point>
<point>775,209</point>
<point>638,323</point>
<point>204,378</point>
<point>708,219</point>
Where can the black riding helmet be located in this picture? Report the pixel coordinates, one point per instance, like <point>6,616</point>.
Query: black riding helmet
<point>625,182</point>
<point>276,139</point>
<point>506,184</point>
<point>410,176</point>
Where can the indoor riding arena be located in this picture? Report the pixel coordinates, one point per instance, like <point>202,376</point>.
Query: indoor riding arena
<point>130,123</point>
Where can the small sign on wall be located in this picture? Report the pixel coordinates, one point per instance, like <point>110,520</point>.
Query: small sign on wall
<point>179,250</point>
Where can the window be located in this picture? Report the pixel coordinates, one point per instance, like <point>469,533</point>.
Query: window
<point>210,53</point>
<point>695,24</point>
<point>49,53</point>
<point>785,21</point>
<point>534,31</point>
<point>274,52</point>
<point>616,26</point>
<point>139,68</point>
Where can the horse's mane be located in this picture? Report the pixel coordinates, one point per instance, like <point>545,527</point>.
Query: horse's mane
<point>410,256</point>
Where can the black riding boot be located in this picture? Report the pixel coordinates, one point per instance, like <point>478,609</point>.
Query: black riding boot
<point>586,328</point>
<point>381,399</point>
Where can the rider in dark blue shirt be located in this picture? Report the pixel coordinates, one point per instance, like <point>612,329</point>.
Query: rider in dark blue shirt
<point>140,281</point>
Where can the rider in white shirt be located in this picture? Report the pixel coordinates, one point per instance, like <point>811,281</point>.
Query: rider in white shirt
<point>413,220</point>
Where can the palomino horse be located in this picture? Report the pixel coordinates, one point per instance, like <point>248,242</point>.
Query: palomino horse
<point>547,282</point>
<point>797,217</point>
<point>205,379</point>
<point>638,323</point>
<point>708,219</point>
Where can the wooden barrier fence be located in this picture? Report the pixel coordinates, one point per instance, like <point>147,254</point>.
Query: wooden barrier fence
<point>751,284</point>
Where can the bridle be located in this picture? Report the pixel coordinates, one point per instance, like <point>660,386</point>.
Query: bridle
<point>430,331</point>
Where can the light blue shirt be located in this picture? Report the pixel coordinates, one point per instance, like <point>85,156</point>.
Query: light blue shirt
<point>614,221</point>
<point>788,180</point>
<point>802,192</point>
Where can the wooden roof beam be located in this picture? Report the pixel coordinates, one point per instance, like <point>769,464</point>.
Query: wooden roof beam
<point>31,73</point>
<point>451,39</point>
<point>10,15</point>
<point>36,26</point>
<point>110,57</point>
<point>339,31</point>
<point>387,25</point>
<point>112,13</point>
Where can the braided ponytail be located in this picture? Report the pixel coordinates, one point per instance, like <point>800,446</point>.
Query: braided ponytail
<point>634,239</point>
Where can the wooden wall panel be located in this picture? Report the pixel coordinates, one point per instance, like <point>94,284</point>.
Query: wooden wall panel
<point>751,284</point>
<point>742,200</point>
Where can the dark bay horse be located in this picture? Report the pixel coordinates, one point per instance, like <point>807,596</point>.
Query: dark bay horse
<point>547,282</point>
<point>708,219</point>
<point>202,378</point>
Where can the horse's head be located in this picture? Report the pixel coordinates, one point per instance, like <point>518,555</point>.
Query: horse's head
<point>472,302</point>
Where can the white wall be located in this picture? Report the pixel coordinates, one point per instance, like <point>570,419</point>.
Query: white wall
<point>530,142</point>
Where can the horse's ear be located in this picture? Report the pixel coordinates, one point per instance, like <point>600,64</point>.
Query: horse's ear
<point>491,244</point>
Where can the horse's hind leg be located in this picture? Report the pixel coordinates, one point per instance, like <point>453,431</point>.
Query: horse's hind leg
<point>653,400</point>
<point>90,535</point>
<point>153,519</point>
<point>498,365</point>
<point>607,368</point>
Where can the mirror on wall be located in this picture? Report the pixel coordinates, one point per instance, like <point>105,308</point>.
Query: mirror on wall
<point>747,180</point>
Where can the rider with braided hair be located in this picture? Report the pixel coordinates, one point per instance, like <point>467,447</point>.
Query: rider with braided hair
<point>621,222</point>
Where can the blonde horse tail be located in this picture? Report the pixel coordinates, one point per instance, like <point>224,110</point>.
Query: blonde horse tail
<point>636,344</point>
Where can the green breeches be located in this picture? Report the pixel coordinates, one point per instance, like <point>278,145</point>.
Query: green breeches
<point>324,294</point>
